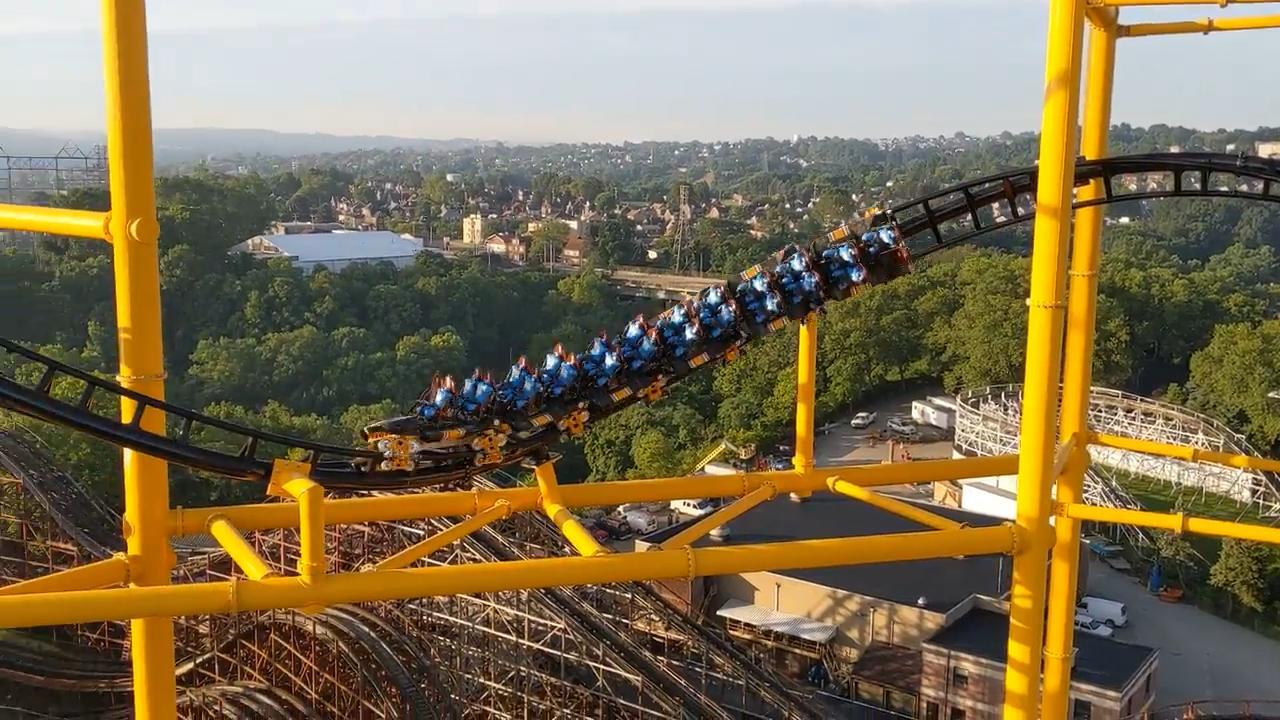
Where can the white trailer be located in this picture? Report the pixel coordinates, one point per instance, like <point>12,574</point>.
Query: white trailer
<point>926,413</point>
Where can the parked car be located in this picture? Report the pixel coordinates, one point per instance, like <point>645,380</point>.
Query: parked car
<point>779,463</point>
<point>1112,613</point>
<point>1084,623</point>
<point>862,420</point>
<point>696,508</point>
<point>902,426</point>
<point>616,527</point>
<point>1102,547</point>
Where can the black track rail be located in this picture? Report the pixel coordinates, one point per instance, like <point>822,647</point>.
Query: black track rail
<point>942,219</point>
<point>965,211</point>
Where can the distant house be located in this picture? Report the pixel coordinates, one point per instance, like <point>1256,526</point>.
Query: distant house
<point>302,228</point>
<point>473,229</point>
<point>334,250</point>
<point>512,247</point>
<point>1267,149</point>
<point>575,249</point>
<point>718,212</point>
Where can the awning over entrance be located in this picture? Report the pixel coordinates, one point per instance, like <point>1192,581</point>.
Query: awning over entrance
<point>793,625</point>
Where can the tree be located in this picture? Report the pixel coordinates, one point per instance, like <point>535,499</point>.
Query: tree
<point>587,187</point>
<point>606,202</point>
<point>833,207</point>
<point>1243,569</point>
<point>614,244</point>
<point>547,242</point>
<point>437,189</point>
<point>1232,375</point>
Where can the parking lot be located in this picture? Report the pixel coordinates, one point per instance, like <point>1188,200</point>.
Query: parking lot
<point>840,444</point>
<point>1201,655</point>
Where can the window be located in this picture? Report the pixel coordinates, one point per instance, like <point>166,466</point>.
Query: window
<point>1081,710</point>
<point>1148,685</point>
<point>1128,707</point>
<point>931,711</point>
<point>960,677</point>
<point>956,714</point>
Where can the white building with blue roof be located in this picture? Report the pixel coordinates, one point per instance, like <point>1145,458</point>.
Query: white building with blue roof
<point>334,250</point>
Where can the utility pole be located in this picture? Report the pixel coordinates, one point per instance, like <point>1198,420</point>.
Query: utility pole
<point>682,239</point>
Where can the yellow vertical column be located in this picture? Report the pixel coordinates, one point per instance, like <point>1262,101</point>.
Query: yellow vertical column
<point>806,388</point>
<point>134,233</point>
<point>1082,296</point>
<point>1044,345</point>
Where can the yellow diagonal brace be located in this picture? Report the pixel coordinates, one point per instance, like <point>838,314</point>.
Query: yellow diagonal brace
<point>419,550</point>
<point>245,557</point>
<point>1181,452</point>
<point>897,507</point>
<point>554,507</point>
<point>719,517</point>
<point>104,573</point>
<point>1177,522</point>
<point>76,223</point>
<point>1062,455</point>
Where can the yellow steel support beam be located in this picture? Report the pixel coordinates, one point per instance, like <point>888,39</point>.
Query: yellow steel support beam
<point>419,550</point>
<point>1177,522</point>
<point>1077,378</point>
<point>311,556</point>
<point>1151,3</point>
<point>1200,27</point>
<point>240,551</point>
<point>104,573</point>
<point>76,223</point>
<point>713,520</point>
<point>134,235</point>
<point>1043,357</point>
<point>893,505</point>
<point>345,511</point>
<point>553,505</point>
<point>806,392</point>
<point>286,592</point>
<point>1181,452</point>
<point>1102,17</point>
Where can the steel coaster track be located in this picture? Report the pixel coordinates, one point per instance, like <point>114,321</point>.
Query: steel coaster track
<point>954,215</point>
<point>967,210</point>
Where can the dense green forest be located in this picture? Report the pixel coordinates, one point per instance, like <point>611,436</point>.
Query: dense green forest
<point>262,342</point>
<point>1187,311</point>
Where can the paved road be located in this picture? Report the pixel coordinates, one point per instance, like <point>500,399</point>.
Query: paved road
<point>1202,656</point>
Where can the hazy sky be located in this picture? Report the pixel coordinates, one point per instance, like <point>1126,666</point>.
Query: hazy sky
<point>538,70</point>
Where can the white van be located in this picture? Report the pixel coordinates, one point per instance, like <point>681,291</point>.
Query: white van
<point>696,508</point>
<point>1084,623</point>
<point>1110,612</point>
<point>642,523</point>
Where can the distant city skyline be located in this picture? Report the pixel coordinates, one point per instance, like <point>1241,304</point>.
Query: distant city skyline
<point>574,70</point>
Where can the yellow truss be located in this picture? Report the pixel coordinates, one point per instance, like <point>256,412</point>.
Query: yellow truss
<point>1062,306</point>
